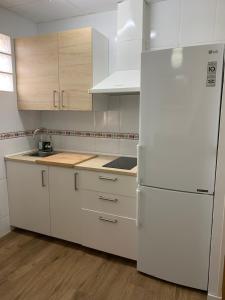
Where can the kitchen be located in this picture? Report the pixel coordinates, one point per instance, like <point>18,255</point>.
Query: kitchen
<point>80,80</point>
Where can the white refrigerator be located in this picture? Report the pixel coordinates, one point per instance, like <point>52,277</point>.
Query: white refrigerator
<point>177,153</point>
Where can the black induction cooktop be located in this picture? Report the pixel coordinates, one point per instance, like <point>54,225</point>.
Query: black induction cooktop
<point>126,163</point>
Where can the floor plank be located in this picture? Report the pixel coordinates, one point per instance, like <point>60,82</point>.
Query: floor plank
<point>36,267</point>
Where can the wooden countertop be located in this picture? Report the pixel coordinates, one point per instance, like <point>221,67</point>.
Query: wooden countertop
<point>64,159</point>
<point>21,157</point>
<point>89,162</point>
<point>96,164</point>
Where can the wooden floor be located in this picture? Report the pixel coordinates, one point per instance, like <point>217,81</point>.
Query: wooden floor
<point>34,267</point>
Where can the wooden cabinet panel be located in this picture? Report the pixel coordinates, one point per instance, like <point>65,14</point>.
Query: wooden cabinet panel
<point>37,72</point>
<point>55,71</point>
<point>75,69</point>
<point>28,196</point>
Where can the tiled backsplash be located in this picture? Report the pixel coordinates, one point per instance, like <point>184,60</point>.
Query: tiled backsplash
<point>113,130</point>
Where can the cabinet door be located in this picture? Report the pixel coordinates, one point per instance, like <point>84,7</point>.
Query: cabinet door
<point>65,204</point>
<point>28,196</point>
<point>164,24</point>
<point>174,236</point>
<point>75,69</point>
<point>37,72</point>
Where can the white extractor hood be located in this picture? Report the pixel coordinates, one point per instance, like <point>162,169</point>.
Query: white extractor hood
<point>132,38</point>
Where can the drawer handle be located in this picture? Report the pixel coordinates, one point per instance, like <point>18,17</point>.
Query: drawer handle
<point>108,220</point>
<point>107,199</point>
<point>108,178</point>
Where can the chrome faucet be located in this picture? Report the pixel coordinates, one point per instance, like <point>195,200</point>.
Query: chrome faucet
<point>36,131</point>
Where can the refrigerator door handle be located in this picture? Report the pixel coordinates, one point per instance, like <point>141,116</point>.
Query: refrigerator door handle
<point>138,192</point>
<point>139,160</point>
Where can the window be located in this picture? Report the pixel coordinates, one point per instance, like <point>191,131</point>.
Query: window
<point>6,69</point>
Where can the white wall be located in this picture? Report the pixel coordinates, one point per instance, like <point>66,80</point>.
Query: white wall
<point>10,118</point>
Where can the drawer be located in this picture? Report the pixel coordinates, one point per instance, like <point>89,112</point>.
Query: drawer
<point>107,183</point>
<point>109,203</point>
<point>109,233</point>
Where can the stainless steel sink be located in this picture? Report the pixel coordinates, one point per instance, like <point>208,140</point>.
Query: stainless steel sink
<point>40,154</point>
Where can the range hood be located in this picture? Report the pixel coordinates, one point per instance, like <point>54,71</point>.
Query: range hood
<point>132,38</point>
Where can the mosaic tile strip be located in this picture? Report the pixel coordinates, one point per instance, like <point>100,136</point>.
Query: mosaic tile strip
<point>15,134</point>
<point>92,134</point>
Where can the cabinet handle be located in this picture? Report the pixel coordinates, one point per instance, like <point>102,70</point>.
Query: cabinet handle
<point>140,159</point>
<point>75,181</point>
<point>138,191</point>
<point>54,100</point>
<point>108,220</point>
<point>43,178</point>
<point>62,97</point>
<point>107,199</point>
<point>108,178</point>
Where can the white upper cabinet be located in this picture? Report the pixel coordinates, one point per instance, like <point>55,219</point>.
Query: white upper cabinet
<point>178,23</point>
<point>129,21</point>
<point>164,24</point>
<point>197,21</point>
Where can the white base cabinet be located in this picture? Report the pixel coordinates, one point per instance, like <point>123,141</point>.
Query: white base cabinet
<point>28,196</point>
<point>109,212</point>
<point>109,233</point>
<point>94,209</point>
<point>65,205</point>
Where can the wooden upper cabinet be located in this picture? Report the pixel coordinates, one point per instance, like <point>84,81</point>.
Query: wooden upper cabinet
<point>37,72</point>
<point>55,71</point>
<point>75,69</point>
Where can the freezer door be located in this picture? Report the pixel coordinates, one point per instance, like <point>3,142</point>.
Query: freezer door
<point>180,107</point>
<point>174,232</point>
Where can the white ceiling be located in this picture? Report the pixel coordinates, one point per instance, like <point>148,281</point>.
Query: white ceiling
<point>48,10</point>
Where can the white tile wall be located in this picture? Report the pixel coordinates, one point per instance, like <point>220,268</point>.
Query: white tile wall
<point>121,115</point>
<point>129,114</point>
<point>128,147</point>
<point>67,119</point>
<point>110,146</point>
<point>4,212</point>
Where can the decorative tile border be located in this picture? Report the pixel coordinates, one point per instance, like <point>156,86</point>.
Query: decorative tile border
<point>90,134</point>
<point>95,134</point>
<point>15,134</point>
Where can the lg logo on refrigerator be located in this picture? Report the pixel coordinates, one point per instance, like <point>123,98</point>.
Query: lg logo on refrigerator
<point>213,51</point>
